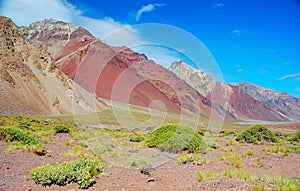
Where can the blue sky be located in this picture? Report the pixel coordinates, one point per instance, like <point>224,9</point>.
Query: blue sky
<point>247,41</point>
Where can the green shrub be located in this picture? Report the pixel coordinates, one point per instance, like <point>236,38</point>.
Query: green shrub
<point>295,137</point>
<point>256,133</point>
<point>11,135</point>
<point>61,129</point>
<point>136,138</point>
<point>248,153</point>
<point>294,149</point>
<point>25,125</point>
<point>225,133</point>
<point>201,131</point>
<point>190,158</point>
<point>174,138</point>
<point>83,171</point>
<point>201,176</point>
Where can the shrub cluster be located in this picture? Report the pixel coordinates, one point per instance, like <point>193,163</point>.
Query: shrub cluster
<point>190,158</point>
<point>137,138</point>
<point>83,171</point>
<point>295,137</point>
<point>11,135</point>
<point>174,138</point>
<point>61,129</point>
<point>256,133</point>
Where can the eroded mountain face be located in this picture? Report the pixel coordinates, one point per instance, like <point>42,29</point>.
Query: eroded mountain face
<point>30,81</point>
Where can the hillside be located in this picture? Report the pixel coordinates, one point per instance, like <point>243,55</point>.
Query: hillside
<point>32,84</point>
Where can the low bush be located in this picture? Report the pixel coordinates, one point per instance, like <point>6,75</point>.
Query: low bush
<point>12,135</point>
<point>240,174</point>
<point>233,158</point>
<point>225,133</point>
<point>83,171</point>
<point>136,138</point>
<point>61,129</point>
<point>191,158</point>
<point>256,133</point>
<point>139,162</point>
<point>174,138</point>
<point>291,149</point>
<point>295,137</point>
<point>201,176</point>
<point>37,149</point>
<point>25,125</point>
<point>248,153</point>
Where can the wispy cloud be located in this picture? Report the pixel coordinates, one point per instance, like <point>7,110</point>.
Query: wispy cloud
<point>147,8</point>
<point>237,32</point>
<point>23,12</point>
<point>239,70</point>
<point>289,76</point>
<point>263,71</point>
<point>298,79</point>
<point>297,89</point>
<point>218,5</point>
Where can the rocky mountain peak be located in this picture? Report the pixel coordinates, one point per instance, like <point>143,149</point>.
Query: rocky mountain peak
<point>53,35</point>
<point>198,79</point>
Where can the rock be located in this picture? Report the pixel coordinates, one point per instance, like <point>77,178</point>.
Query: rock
<point>146,171</point>
<point>151,179</point>
<point>133,150</point>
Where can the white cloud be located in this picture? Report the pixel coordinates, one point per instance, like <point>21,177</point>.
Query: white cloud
<point>262,70</point>
<point>147,8</point>
<point>110,31</point>
<point>237,32</point>
<point>24,12</point>
<point>289,76</point>
<point>239,70</point>
<point>297,89</point>
<point>218,5</point>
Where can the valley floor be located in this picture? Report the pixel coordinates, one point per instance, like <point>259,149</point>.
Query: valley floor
<point>16,165</point>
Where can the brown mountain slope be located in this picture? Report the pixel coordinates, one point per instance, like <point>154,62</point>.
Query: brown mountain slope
<point>31,84</point>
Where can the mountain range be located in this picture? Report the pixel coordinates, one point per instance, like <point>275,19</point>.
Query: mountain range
<point>51,66</point>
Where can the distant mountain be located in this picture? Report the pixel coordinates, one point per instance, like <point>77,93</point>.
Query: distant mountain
<point>281,102</point>
<point>244,101</point>
<point>116,73</point>
<point>199,80</point>
<point>30,82</point>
